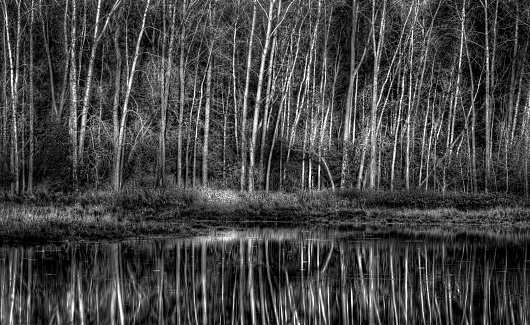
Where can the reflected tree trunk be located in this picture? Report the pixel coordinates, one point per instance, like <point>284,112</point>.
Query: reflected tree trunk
<point>203,284</point>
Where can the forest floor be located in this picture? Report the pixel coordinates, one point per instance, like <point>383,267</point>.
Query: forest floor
<point>141,213</point>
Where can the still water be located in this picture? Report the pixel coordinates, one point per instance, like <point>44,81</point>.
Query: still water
<point>272,277</point>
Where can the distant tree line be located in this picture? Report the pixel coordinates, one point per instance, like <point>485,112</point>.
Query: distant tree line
<point>266,94</point>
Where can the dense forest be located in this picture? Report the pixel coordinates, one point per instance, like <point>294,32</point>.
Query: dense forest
<point>265,94</point>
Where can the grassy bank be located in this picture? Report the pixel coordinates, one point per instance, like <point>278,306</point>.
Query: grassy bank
<point>91,215</point>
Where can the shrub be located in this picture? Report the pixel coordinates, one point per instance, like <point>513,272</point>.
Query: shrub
<point>52,158</point>
<point>5,174</point>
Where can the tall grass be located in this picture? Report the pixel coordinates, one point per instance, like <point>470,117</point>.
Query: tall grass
<point>134,197</point>
<point>101,214</point>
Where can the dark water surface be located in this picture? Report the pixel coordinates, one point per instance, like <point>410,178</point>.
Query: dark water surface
<point>272,277</point>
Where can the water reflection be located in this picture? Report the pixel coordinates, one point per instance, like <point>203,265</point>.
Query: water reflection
<point>269,277</point>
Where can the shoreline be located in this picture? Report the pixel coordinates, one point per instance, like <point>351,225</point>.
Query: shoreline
<point>188,213</point>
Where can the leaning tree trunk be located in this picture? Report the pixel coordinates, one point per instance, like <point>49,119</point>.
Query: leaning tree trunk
<point>207,105</point>
<point>117,177</point>
<point>88,86</point>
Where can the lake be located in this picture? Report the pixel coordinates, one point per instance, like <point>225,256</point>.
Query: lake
<point>262,276</point>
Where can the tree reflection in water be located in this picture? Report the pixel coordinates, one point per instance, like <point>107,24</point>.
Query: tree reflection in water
<point>270,277</point>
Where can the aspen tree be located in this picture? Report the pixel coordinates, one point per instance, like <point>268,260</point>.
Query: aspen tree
<point>257,106</point>
<point>190,122</point>
<point>279,116</point>
<point>184,16</point>
<point>117,176</point>
<point>244,141</point>
<point>324,105</point>
<point>378,43</point>
<point>410,107</point>
<point>13,55</point>
<point>31,100</point>
<point>46,41</point>
<point>510,114</point>
<point>72,121</point>
<point>116,107</point>
<point>196,136</point>
<point>271,88</point>
<point>4,146</point>
<point>234,81</point>
<point>89,74</point>
<point>346,132</point>
<point>167,68</point>
<point>489,54</point>
<point>208,103</point>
